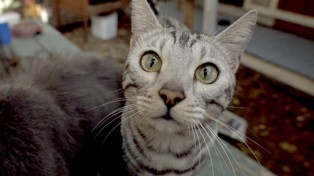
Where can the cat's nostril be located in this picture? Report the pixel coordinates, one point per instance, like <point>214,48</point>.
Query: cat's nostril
<point>177,100</point>
<point>164,97</point>
<point>170,98</point>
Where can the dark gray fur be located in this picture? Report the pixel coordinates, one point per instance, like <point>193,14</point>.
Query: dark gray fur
<point>48,112</point>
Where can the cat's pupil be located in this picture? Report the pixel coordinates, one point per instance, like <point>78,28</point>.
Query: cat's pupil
<point>152,62</point>
<point>205,72</point>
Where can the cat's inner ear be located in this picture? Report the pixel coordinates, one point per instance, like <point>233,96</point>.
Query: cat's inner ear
<point>143,18</point>
<point>236,37</point>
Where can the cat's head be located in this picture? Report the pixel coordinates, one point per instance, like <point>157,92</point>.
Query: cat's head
<point>176,79</point>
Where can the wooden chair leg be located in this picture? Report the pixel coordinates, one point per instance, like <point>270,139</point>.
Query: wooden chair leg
<point>85,32</point>
<point>58,14</point>
<point>178,4</point>
<point>85,18</point>
<point>188,11</point>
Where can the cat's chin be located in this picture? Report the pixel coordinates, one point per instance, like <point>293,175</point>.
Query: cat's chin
<point>167,117</point>
<point>167,124</point>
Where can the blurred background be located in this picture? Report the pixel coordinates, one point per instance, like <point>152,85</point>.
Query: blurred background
<point>274,95</point>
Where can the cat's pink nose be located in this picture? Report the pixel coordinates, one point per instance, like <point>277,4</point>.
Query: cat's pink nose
<point>170,97</point>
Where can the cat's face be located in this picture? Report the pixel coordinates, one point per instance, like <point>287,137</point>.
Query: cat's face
<point>177,79</point>
<point>185,64</point>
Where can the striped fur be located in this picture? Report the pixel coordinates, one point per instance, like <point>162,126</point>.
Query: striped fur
<point>182,144</point>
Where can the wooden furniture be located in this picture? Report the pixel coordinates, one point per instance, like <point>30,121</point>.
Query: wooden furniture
<point>188,12</point>
<point>84,9</point>
<point>306,8</point>
<point>209,14</point>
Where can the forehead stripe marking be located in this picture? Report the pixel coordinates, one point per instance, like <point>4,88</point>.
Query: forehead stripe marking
<point>193,41</point>
<point>184,38</point>
<point>173,34</point>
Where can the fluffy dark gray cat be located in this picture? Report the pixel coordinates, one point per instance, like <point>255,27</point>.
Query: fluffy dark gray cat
<point>48,113</point>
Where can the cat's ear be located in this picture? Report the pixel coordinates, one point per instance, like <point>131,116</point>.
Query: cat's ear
<point>143,18</point>
<point>236,37</point>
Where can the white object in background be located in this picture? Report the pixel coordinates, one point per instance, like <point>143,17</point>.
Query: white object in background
<point>234,126</point>
<point>210,17</point>
<point>44,15</point>
<point>105,27</point>
<point>10,17</point>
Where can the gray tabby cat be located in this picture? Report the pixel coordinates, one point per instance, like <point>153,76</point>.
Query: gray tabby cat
<point>176,84</point>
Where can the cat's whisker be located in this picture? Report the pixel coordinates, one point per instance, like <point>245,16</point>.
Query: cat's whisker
<point>254,155</point>
<point>221,157</point>
<point>129,95</point>
<point>248,138</point>
<point>109,102</point>
<point>118,125</point>
<point>237,107</point>
<point>117,90</point>
<point>107,117</point>
<point>209,153</point>
<point>231,129</point>
<point>199,146</point>
<point>237,133</point>
<point>140,118</point>
<point>112,101</point>
<point>194,137</point>
<point>126,109</point>
<point>114,113</point>
<point>223,148</point>
<point>214,146</point>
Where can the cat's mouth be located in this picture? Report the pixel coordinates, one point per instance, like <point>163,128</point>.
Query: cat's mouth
<point>164,117</point>
<point>167,117</point>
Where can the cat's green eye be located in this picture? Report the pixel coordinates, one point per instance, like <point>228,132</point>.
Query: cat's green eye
<point>151,62</point>
<point>206,73</point>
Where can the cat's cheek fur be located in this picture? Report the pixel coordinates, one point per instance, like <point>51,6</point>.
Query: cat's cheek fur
<point>150,108</point>
<point>188,112</point>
